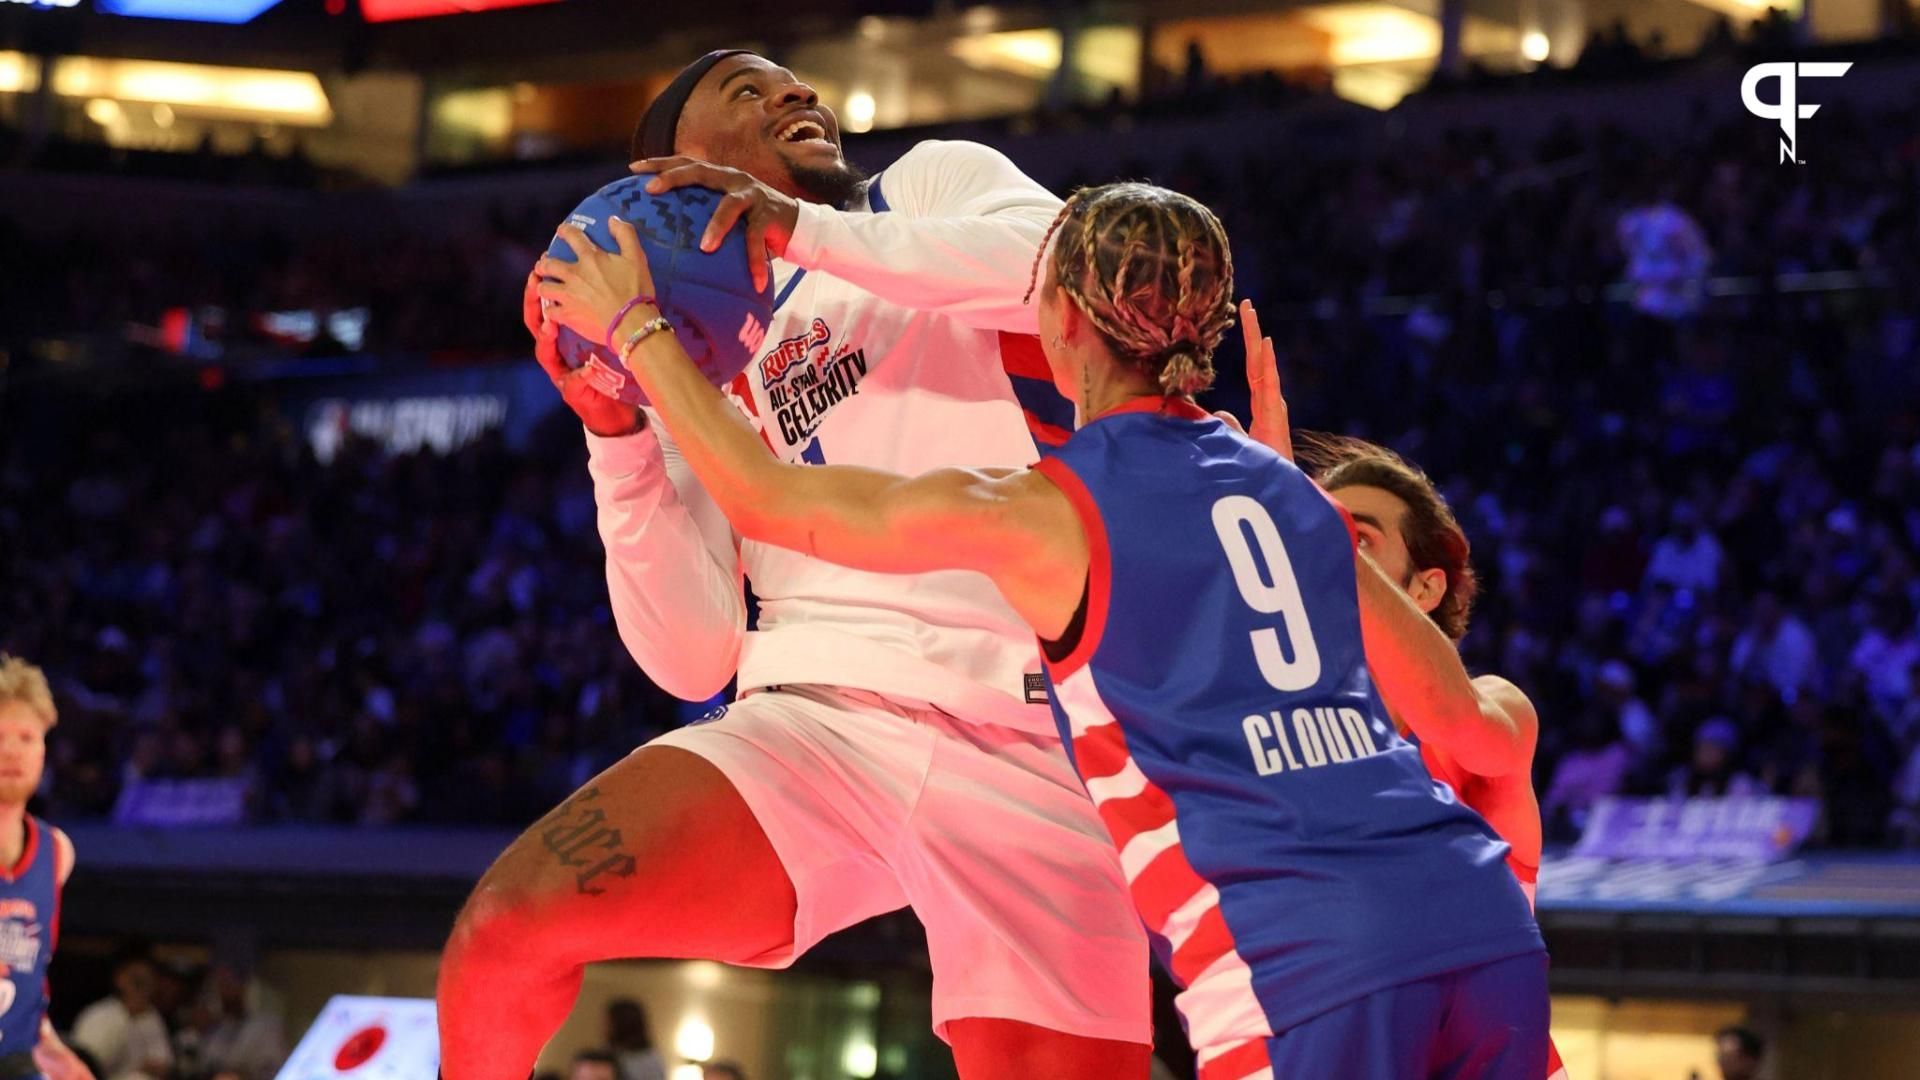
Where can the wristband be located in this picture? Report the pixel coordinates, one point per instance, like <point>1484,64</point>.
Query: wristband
<point>650,328</point>
<point>615,324</point>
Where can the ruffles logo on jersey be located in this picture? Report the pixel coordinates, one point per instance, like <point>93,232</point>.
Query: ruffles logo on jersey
<point>20,942</point>
<point>805,375</point>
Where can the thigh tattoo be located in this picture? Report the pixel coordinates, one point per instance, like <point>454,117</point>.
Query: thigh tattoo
<point>579,837</point>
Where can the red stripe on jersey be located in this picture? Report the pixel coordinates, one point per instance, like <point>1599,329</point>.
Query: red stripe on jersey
<point>1099,568</point>
<point>1555,1067</point>
<point>1172,405</point>
<point>29,848</point>
<point>1163,887</point>
<point>1101,752</point>
<point>1238,1063</point>
<point>1135,814</point>
<point>1045,433</point>
<point>1022,355</point>
<point>1209,941</point>
<point>743,390</point>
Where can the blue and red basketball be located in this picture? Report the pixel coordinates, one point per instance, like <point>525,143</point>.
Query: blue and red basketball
<point>717,314</point>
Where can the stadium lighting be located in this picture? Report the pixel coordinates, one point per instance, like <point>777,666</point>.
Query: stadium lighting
<point>19,73</point>
<point>392,10</point>
<point>694,1039</point>
<point>860,109</point>
<point>213,11</point>
<point>289,97</point>
<point>1534,46</point>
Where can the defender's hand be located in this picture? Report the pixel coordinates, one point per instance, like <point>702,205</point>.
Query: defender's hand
<point>586,294</point>
<point>1270,423</point>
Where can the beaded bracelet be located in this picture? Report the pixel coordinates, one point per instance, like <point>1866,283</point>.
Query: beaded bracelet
<point>631,304</point>
<point>648,329</point>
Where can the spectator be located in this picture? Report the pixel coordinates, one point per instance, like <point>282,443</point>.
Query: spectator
<point>595,1065</point>
<point>1886,655</point>
<point>1613,689</point>
<point>1776,647</point>
<point>630,1037</point>
<point>1688,557</point>
<point>123,1031</point>
<point>1597,766</point>
<point>1739,1052</point>
<point>1667,257</point>
<point>1713,771</point>
<point>247,1036</point>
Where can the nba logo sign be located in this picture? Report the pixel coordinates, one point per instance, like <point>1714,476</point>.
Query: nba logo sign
<point>1789,112</point>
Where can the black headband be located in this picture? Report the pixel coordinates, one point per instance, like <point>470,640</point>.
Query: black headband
<point>655,135</point>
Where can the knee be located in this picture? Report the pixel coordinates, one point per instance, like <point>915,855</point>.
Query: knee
<point>508,919</point>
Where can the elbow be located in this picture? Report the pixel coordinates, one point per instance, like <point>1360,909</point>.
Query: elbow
<point>693,674</point>
<point>692,659</point>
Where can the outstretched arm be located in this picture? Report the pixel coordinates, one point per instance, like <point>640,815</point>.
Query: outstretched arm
<point>1012,525</point>
<point>961,235</point>
<point>1487,725</point>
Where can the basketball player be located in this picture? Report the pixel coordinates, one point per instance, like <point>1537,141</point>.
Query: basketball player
<point>36,859</point>
<point>1270,821</point>
<point>1477,734</point>
<point>892,744</point>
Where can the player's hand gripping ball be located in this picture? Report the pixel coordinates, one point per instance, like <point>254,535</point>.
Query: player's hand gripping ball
<point>717,314</point>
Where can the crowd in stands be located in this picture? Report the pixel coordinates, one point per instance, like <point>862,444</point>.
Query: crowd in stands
<point>379,640</point>
<point>1694,498</point>
<point>168,1020</point>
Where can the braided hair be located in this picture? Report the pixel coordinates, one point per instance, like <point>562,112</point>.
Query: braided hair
<point>1151,270</point>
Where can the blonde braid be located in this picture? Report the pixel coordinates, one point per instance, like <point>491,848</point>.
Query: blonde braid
<point>1161,310</point>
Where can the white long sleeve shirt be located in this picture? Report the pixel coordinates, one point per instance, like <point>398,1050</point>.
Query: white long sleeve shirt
<point>885,350</point>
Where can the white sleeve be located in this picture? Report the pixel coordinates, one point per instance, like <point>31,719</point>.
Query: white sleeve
<point>961,237</point>
<point>673,565</point>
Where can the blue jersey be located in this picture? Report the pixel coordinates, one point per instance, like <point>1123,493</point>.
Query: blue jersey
<point>29,923</point>
<point>1286,849</point>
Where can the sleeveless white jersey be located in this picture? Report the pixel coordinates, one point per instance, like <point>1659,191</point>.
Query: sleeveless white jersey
<point>887,349</point>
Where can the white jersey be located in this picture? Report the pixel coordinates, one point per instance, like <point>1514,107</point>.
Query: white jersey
<point>888,348</point>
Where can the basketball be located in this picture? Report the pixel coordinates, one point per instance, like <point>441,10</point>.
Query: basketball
<point>716,312</point>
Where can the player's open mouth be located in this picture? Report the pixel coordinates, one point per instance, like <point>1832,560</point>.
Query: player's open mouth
<point>803,131</point>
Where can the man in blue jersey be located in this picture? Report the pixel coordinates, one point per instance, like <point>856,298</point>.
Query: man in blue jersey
<point>1197,600</point>
<point>35,859</point>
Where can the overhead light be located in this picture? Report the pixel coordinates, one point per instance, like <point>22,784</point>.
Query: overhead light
<point>19,73</point>
<point>214,11</point>
<point>1534,46</point>
<point>694,1040</point>
<point>293,97</point>
<point>163,115</point>
<point>1375,33</point>
<point>860,1059</point>
<point>860,108</point>
<point>105,112</point>
<point>1033,53</point>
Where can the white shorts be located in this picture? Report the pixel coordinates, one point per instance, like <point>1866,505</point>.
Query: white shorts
<point>986,832</point>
